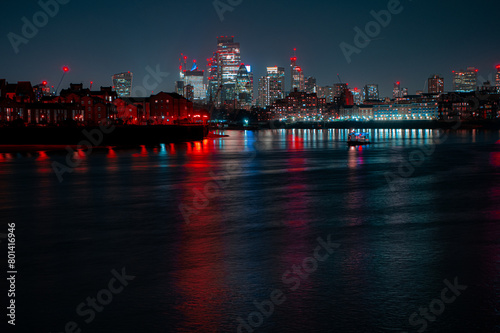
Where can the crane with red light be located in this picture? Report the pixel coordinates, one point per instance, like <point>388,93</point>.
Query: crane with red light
<point>65,69</point>
<point>340,80</point>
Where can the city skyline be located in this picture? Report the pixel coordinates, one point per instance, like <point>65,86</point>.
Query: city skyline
<point>477,82</point>
<point>317,43</point>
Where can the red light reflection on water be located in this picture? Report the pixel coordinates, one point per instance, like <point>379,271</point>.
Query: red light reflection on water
<point>111,153</point>
<point>43,163</point>
<point>42,156</point>
<point>200,279</point>
<point>355,157</point>
<point>296,187</point>
<point>144,152</point>
<point>354,197</point>
<point>6,157</point>
<point>112,161</point>
<point>295,142</point>
<point>495,157</point>
<point>6,167</point>
<point>495,190</point>
<point>201,282</point>
<point>296,214</point>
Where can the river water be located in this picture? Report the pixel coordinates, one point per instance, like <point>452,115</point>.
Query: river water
<point>270,231</point>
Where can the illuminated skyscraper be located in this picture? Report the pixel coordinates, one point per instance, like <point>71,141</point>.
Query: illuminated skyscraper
<point>262,91</point>
<point>465,81</point>
<point>298,81</point>
<point>244,86</point>
<point>271,86</point>
<point>223,69</point>
<point>194,78</point>
<point>212,79</point>
<point>370,92</point>
<point>276,76</point>
<point>435,85</point>
<point>122,84</point>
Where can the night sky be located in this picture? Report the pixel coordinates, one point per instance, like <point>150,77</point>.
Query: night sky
<point>99,38</point>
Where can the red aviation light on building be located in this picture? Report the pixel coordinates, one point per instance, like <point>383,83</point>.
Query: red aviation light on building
<point>453,71</point>
<point>398,83</point>
<point>355,89</point>
<point>477,70</point>
<point>194,60</point>
<point>65,69</point>
<point>44,83</point>
<point>497,67</point>
<point>185,58</point>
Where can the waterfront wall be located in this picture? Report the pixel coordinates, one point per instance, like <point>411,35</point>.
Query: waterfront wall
<point>124,135</point>
<point>401,124</point>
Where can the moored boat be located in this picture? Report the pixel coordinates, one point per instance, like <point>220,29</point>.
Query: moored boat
<point>358,139</point>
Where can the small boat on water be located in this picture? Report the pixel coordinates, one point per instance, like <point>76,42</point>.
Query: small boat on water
<point>358,139</point>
